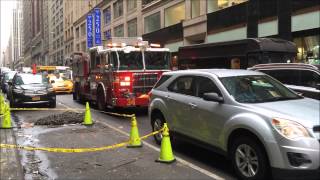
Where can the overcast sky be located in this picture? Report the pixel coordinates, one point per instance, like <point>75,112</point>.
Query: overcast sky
<point>6,21</point>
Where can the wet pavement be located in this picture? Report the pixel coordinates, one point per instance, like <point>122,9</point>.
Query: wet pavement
<point>120,163</point>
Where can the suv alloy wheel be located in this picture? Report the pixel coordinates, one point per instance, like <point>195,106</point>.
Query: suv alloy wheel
<point>249,159</point>
<point>157,124</point>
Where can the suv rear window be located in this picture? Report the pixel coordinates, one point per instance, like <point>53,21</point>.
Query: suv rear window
<point>163,79</point>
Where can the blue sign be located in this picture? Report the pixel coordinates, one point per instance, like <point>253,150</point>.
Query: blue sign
<point>89,30</point>
<point>97,28</point>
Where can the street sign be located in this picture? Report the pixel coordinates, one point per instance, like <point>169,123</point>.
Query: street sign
<point>97,28</point>
<point>89,30</point>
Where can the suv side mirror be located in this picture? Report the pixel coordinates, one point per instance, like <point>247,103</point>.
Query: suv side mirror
<point>212,97</point>
<point>10,82</point>
<point>52,81</point>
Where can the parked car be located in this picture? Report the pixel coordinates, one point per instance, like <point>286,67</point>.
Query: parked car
<point>31,89</point>
<point>7,76</point>
<point>60,84</point>
<point>256,121</point>
<point>302,78</point>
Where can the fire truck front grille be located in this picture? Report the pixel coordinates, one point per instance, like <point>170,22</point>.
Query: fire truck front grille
<point>143,82</point>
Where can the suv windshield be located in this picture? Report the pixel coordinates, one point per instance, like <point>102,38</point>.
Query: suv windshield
<point>30,79</point>
<point>130,61</point>
<point>157,60</point>
<point>257,89</point>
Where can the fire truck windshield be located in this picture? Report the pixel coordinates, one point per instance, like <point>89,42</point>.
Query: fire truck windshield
<point>130,61</point>
<point>157,60</point>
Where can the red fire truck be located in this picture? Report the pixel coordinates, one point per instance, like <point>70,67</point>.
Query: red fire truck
<point>119,74</point>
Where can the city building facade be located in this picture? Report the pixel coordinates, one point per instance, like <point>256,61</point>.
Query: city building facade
<point>35,32</point>
<point>17,38</point>
<point>56,41</point>
<point>175,23</point>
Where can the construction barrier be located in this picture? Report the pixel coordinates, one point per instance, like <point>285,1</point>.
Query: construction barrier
<point>166,155</point>
<point>76,150</point>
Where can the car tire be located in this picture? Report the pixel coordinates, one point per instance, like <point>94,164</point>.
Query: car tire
<point>157,124</point>
<point>79,97</point>
<point>101,102</point>
<point>12,105</point>
<point>53,104</point>
<point>249,154</point>
<point>74,96</point>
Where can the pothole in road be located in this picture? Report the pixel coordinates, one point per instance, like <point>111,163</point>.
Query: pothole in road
<point>61,119</point>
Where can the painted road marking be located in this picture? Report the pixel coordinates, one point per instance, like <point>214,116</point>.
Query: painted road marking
<point>181,160</point>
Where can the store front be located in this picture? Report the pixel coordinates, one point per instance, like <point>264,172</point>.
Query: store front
<point>308,49</point>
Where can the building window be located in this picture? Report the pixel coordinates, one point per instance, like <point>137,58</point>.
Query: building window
<point>61,41</point>
<point>131,4</point>
<point>215,5</point>
<point>78,47</point>
<point>77,32</point>
<point>118,31</point>
<point>152,23</point>
<point>132,28</point>
<point>107,15</point>
<point>83,46</point>
<point>118,8</point>
<point>195,9</point>
<point>308,49</point>
<point>174,14</point>
<point>83,29</point>
<point>61,27</point>
<point>145,2</point>
<point>107,34</point>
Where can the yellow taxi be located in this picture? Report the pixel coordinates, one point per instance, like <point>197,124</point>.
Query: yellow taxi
<point>60,84</point>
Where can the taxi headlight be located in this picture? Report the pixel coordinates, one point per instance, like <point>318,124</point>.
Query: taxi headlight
<point>290,129</point>
<point>50,89</point>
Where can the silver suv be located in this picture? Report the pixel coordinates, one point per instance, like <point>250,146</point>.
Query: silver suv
<point>248,116</point>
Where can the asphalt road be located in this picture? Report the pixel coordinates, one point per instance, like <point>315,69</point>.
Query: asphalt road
<point>122,163</point>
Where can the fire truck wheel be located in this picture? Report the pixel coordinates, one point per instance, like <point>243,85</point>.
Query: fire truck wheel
<point>78,96</point>
<point>74,96</point>
<point>101,100</point>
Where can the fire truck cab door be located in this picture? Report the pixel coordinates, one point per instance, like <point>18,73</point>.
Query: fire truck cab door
<point>94,73</point>
<point>108,76</point>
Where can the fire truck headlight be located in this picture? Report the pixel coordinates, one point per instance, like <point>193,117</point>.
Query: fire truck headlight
<point>122,83</point>
<point>127,78</point>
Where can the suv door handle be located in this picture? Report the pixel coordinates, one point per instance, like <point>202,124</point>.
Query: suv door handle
<point>169,98</point>
<point>193,106</point>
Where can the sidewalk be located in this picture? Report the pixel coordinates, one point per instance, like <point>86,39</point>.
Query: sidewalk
<point>10,167</point>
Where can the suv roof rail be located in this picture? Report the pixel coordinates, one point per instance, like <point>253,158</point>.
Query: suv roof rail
<point>289,65</point>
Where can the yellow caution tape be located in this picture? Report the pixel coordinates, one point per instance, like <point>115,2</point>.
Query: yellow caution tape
<point>75,150</point>
<point>117,114</point>
<point>45,109</point>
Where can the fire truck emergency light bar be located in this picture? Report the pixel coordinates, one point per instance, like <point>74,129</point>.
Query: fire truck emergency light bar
<point>128,41</point>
